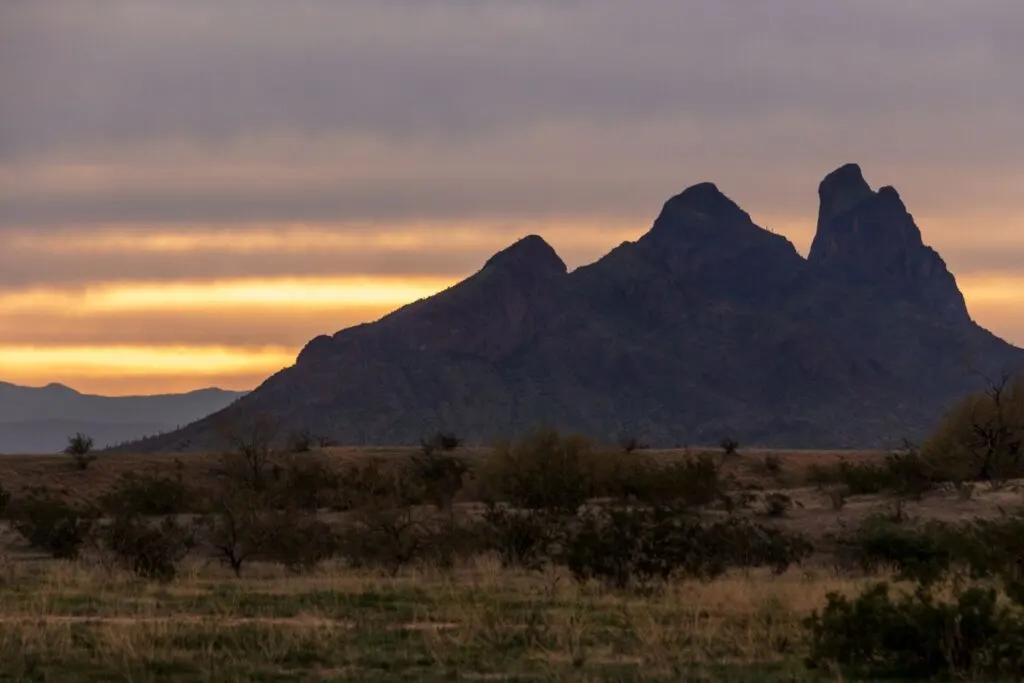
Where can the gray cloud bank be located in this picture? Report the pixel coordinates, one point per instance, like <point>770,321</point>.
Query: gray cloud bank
<point>219,112</point>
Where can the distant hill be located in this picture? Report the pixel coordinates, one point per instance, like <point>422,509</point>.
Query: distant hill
<point>706,326</point>
<point>39,420</point>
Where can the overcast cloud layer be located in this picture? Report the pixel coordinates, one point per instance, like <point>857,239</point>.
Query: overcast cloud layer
<point>377,124</point>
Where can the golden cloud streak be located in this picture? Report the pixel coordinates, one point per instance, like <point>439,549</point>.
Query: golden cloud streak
<point>140,361</point>
<point>304,293</point>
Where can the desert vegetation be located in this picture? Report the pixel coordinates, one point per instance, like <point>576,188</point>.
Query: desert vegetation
<point>549,557</point>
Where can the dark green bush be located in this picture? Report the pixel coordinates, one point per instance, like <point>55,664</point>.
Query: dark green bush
<point>907,474</point>
<point>921,554</point>
<point>386,537</point>
<point>298,541</point>
<point>80,449</point>
<point>521,538</point>
<point>543,470</point>
<point>48,522</point>
<point>624,546</point>
<point>305,482</point>
<point>916,637</point>
<point>152,551</point>
<point>690,482</point>
<point>440,476</point>
<point>148,494</point>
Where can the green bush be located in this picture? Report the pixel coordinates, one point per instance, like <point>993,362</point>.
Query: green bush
<point>625,546</point>
<point>543,470</point>
<point>907,474</point>
<point>690,482</point>
<point>298,541</point>
<point>152,551</point>
<point>440,476</point>
<point>148,494</point>
<point>48,522</point>
<point>386,537</point>
<point>520,538</point>
<point>916,637</point>
<point>916,554</point>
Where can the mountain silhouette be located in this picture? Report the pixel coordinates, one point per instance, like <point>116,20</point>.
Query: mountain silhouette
<point>39,419</point>
<point>706,326</point>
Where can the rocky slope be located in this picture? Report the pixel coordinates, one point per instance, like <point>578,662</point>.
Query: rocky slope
<point>706,326</point>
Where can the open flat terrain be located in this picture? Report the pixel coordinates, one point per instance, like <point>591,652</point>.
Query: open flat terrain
<point>88,620</point>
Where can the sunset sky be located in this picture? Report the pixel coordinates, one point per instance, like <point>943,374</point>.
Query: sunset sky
<point>190,191</point>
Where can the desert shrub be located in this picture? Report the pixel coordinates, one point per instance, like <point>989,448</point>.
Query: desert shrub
<point>624,546</point>
<point>450,540</point>
<point>982,437</point>
<point>520,538</point>
<point>730,446</point>
<point>439,476</point>
<point>304,482</point>
<point>301,441</point>
<point>5,499</point>
<point>777,504</point>
<point>543,470</point>
<point>148,494</point>
<point>690,482</point>
<point>917,637</point>
<point>907,474</point>
<point>152,551</point>
<point>917,554</point>
<point>299,541</point>
<point>79,448</point>
<point>772,464</point>
<point>371,483</point>
<point>252,453</point>
<point>235,527</point>
<point>441,442</point>
<point>385,536</point>
<point>50,523</point>
<point>630,443</point>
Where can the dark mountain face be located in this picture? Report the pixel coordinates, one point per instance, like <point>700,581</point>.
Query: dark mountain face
<point>707,325</point>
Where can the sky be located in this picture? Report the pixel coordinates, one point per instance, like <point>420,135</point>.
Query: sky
<point>192,189</point>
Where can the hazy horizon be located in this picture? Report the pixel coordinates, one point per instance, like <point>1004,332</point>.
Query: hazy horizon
<point>190,192</point>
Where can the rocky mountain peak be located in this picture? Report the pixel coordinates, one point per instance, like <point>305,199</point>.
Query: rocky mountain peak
<point>870,238</point>
<point>530,255</point>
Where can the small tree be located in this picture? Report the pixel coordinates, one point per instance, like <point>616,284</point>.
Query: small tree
<point>80,449</point>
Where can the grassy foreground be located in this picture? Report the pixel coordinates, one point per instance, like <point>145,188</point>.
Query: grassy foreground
<point>69,621</point>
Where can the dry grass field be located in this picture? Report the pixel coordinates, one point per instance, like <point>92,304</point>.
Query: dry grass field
<point>88,620</point>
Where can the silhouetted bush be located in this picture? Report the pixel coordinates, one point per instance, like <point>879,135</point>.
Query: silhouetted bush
<point>917,637</point>
<point>440,477</point>
<point>304,482</point>
<point>150,550</point>
<point>442,442</point>
<point>50,523</point>
<point>235,528</point>
<point>80,449</point>
<point>730,446</point>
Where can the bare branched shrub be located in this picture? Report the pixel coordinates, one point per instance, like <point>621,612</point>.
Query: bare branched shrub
<point>252,449</point>
<point>148,494</point>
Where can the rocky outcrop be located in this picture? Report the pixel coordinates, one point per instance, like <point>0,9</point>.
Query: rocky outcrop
<point>869,238</point>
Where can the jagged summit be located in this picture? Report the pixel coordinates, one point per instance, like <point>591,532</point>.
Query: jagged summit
<point>531,254</point>
<point>870,238</point>
<point>841,190</point>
